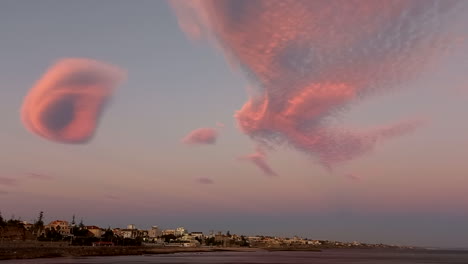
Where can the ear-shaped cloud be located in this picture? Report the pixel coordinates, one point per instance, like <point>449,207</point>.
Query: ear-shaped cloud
<point>65,105</point>
<point>201,136</point>
<point>313,60</point>
<point>258,158</point>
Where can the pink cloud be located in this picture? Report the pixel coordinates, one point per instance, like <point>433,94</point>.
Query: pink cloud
<point>3,192</point>
<point>201,136</point>
<point>353,177</point>
<point>65,105</point>
<point>311,61</point>
<point>111,197</point>
<point>204,180</point>
<point>38,176</point>
<point>258,158</point>
<point>8,181</point>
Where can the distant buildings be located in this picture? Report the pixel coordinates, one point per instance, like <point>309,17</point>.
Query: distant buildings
<point>62,231</point>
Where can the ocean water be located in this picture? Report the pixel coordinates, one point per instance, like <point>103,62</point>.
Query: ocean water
<point>325,257</point>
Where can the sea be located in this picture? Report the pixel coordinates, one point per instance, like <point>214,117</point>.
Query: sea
<point>289,257</point>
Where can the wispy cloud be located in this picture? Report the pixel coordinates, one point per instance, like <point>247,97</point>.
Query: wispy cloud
<point>201,136</point>
<point>204,180</point>
<point>258,158</point>
<point>311,61</point>
<point>111,197</point>
<point>37,176</point>
<point>2,192</point>
<point>5,181</point>
<point>353,177</point>
<point>66,104</point>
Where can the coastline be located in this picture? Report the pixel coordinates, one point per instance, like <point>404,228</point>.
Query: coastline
<point>55,251</point>
<point>84,251</point>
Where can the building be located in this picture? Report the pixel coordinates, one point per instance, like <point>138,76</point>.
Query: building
<point>197,235</point>
<point>128,233</point>
<point>27,225</point>
<point>117,232</point>
<point>154,232</point>
<point>168,232</point>
<point>61,226</point>
<point>131,226</point>
<point>180,231</point>
<point>96,231</point>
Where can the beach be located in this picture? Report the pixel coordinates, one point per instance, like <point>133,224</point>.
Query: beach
<point>50,251</point>
<point>329,256</point>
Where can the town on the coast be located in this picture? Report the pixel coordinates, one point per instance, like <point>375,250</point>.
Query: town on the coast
<point>72,233</point>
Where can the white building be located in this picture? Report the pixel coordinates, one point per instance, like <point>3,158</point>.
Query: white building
<point>129,233</point>
<point>180,231</point>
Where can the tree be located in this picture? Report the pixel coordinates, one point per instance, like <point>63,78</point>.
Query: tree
<point>244,242</point>
<point>53,235</point>
<point>228,234</point>
<point>40,221</point>
<point>168,238</point>
<point>211,241</point>
<point>81,225</point>
<point>39,224</point>
<point>108,235</point>
<point>2,221</point>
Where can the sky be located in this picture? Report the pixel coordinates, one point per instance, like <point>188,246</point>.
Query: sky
<point>323,119</point>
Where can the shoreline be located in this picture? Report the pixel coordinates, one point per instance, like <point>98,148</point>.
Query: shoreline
<point>37,252</point>
<point>88,251</point>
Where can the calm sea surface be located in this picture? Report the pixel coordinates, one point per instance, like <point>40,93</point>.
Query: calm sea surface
<point>326,257</point>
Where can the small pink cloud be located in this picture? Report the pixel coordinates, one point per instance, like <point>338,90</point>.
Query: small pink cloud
<point>204,180</point>
<point>353,177</point>
<point>220,125</point>
<point>8,181</point>
<point>111,197</point>
<point>37,176</point>
<point>201,136</point>
<point>3,192</point>
<point>258,158</point>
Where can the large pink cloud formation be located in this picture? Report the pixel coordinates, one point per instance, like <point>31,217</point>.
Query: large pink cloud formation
<point>66,104</point>
<point>313,60</point>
